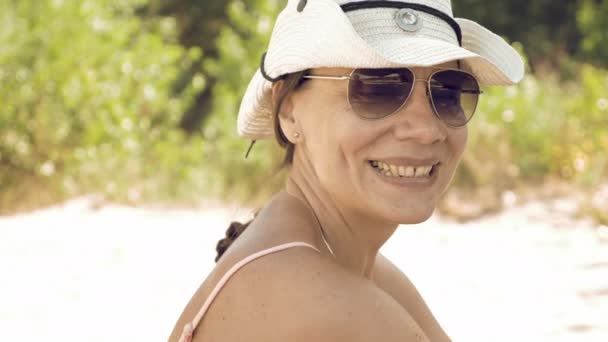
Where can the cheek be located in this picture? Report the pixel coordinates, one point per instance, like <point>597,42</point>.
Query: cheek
<point>346,170</point>
<point>326,122</point>
<point>353,136</point>
<point>457,142</point>
<point>339,151</point>
<point>461,138</point>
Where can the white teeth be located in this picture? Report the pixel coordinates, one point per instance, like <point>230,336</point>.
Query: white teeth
<point>394,170</point>
<point>390,170</point>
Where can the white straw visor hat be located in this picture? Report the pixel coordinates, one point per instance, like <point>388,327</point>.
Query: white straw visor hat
<point>371,34</point>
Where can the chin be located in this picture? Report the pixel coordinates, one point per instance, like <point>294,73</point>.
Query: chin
<point>414,216</point>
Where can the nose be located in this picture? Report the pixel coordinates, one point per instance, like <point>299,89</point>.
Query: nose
<point>416,120</point>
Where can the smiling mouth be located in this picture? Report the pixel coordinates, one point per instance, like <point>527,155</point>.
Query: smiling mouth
<point>401,171</point>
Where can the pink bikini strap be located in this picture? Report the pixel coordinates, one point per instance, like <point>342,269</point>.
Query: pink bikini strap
<point>189,327</point>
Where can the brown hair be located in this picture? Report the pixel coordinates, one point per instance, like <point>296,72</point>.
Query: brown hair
<point>289,84</point>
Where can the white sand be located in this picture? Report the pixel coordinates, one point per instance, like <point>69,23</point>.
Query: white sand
<point>72,273</point>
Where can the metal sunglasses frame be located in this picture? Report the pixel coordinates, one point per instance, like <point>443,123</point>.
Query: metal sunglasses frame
<point>416,79</point>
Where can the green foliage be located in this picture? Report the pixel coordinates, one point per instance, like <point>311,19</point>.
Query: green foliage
<point>543,127</point>
<point>593,25</point>
<point>240,46</point>
<point>549,30</point>
<point>83,98</point>
<point>199,23</point>
<point>540,25</point>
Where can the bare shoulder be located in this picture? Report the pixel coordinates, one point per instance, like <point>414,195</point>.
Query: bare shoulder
<point>395,283</point>
<point>297,295</point>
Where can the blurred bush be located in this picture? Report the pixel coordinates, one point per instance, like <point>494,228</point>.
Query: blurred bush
<point>84,102</point>
<point>240,45</point>
<point>545,128</point>
<point>551,32</point>
<point>593,25</point>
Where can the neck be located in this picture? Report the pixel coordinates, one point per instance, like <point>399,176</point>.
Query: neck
<point>354,238</point>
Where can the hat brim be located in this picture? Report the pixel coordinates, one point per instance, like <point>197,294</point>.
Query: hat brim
<point>484,54</point>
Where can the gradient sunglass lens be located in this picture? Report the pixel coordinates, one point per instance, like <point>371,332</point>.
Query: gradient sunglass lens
<point>376,93</point>
<point>454,95</point>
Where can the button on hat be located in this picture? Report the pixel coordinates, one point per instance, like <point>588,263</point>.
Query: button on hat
<point>408,20</point>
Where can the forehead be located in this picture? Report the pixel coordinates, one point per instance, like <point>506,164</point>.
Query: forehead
<point>421,71</point>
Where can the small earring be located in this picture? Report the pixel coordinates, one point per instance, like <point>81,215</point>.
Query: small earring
<point>296,135</point>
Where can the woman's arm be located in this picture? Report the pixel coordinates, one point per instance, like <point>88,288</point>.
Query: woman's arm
<point>395,283</point>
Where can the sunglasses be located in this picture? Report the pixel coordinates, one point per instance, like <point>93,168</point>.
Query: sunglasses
<point>377,93</point>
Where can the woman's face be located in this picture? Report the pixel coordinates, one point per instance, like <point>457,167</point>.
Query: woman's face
<point>344,149</point>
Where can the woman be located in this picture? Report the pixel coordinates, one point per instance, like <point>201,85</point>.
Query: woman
<point>371,101</point>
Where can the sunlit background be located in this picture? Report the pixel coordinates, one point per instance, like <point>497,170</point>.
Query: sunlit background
<point>120,168</point>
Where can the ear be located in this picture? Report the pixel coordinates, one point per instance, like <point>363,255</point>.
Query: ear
<point>286,116</point>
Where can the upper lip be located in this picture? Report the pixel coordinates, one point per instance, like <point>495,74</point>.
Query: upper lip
<point>406,161</point>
